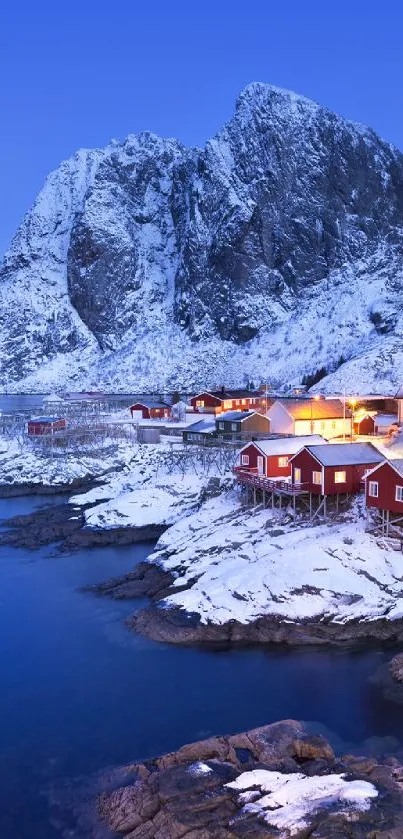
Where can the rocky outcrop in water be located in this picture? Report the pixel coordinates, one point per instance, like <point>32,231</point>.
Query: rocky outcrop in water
<point>146,262</point>
<point>220,789</point>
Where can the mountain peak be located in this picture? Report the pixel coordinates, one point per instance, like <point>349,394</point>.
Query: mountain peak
<point>272,95</point>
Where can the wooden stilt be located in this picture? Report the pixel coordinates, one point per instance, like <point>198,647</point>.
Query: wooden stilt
<point>310,505</point>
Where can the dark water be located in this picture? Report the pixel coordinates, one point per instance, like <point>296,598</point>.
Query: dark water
<point>79,692</point>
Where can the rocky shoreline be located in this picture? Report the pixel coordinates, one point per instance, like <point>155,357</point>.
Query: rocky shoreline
<point>222,788</point>
<point>176,626</point>
<point>65,525</point>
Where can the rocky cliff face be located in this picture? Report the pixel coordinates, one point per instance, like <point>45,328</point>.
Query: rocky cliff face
<point>274,250</point>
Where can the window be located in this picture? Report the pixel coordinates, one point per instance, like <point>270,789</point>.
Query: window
<point>234,426</point>
<point>200,403</point>
<point>399,494</point>
<point>282,462</point>
<point>322,425</point>
<point>244,401</point>
<point>297,476</point>
<point>333,424</point>
<point>227,405</point>
<point>340,477</point>
<point>221,426</point>
<point>245,460</point>
<point>317,477</point>
<point>373,488</point>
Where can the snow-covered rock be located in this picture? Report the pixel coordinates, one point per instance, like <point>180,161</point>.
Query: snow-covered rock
<point>290,802</point>
<point>149,264</point>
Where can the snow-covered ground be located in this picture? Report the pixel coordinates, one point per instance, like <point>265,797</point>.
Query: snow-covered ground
<point>241,565</point>
<point>290,802</point>
<point>22,464</point>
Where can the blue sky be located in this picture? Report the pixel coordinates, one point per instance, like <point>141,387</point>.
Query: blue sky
<point>79,73</point>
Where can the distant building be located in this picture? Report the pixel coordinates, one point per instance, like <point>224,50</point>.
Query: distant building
<point>271,458</point>
<point>328,417</point>
<point>150,408</point>
<point>200,431</point>
<point>364,424</point>
<point>45,425</point>
<point>385,422</point>
<point>219,401</point>
<point>235,423</point>
<point>334,469</point>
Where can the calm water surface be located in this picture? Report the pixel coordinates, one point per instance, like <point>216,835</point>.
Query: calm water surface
<point>80,693</point>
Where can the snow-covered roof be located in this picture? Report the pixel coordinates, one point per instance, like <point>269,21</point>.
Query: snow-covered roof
<point>346,454</point>
<point>236,416</point>
<point>287,445</point>
<point>150,402</point>
<point>397,464</point>
<point>205,426</point>
<point>45,419</point>
<point>385,419</point>
<point>315,409</point>
<point>231,394</point>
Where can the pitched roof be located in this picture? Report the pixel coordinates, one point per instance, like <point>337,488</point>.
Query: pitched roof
<point>45,419</point>
<point>233,394</point>
<point>206,426</point>
<point>385,419</point>
<point>236,416</point>
<point>150,402</point>
<point>287,445</point>
<point>315,409</point>
<point>346,454</point>
<point>396,463</point>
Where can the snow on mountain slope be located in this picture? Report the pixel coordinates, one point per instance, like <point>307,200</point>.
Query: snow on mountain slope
<point>273,251</point>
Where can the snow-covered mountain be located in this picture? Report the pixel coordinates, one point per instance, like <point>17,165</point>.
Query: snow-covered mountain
<point>275,250</point>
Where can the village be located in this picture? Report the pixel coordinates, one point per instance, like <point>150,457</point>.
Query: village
<point>310,455</point>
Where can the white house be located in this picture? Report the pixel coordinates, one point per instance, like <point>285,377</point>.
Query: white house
<point>328,417</point>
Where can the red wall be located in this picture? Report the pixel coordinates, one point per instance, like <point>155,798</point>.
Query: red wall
<point>366,426</point>
<point>253,453</point>
<point>209,401</point>
<point>388,480</point>
<point>307,463</point>
<point>45,427</point>
<point>270,464</point>
<point>150,413</point>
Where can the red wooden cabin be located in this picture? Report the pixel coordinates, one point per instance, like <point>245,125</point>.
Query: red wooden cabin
<point>45,425</point>
<point>218,401</point>
<point>271,457</point>
<point>364,424</point>
<point>335,468</point>
<point>151,409</point>
<point>384,486</point>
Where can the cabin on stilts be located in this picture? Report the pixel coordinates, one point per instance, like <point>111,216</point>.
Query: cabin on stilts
<point>384,497</point>
<point>333,471</point>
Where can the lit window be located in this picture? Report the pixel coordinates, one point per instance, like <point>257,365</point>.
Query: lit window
<point>340,477</point>
<point>283,462</point>
<point>244,401</point>
<point>234,426</point>
<point>200,403</point>
<point>317,477</point>
<point>221,426</point>
<point>373,487</point>
<point>227,405</point>
<point>245,460</point>
<point>297,476</point>
<point>399,494</point>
